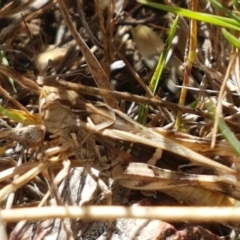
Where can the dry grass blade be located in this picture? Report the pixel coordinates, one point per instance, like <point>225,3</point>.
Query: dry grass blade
<point>7,33</point>
<point>93,64</point>
<point>135,74</point>
<point>161,142</point>
<point>21,80</point>
<point>60,176</point>
<point>18,170</point>
<point>14,101</point>
<point>221,97</point>
<point>188,62</point>
<point>22,180</point>
<point>187,187</point>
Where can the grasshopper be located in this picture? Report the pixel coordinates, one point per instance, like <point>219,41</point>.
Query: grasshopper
<point>80,124</point>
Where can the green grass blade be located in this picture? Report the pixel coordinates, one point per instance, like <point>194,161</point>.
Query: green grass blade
<point>231,38</point>
<point>162,60</point>
<point>209,18</point>
<point>218,5</point>
<point>143,109</point>
<point>223,128</point>
<point>4,61</point>
<point>236,4</point>
<point>19,116</point>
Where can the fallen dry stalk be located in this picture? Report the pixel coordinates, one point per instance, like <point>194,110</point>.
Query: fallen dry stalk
<point>172,214</point>
<point>82,89</point>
